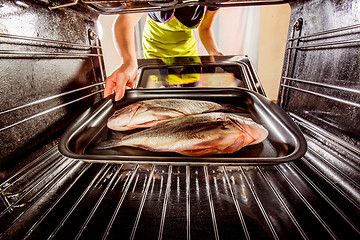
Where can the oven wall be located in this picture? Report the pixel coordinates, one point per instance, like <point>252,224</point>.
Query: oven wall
<point>54,61</point>
<point>322,69</point>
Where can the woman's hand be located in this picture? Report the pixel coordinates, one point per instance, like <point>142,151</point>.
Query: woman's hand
<point>121,79</point>
<point>125,75</point>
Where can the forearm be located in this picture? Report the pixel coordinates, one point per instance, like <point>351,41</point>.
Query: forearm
<point>206,33</point>
<point>207,39</point>
<point>124,36</point>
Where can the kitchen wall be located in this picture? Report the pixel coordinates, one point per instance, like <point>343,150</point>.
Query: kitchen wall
<point>274,25</point>
<point>236,31</point>
<point>259,32</point>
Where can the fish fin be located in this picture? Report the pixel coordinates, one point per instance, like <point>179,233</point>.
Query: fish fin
<point>170,109</point>
<point>134,113</point>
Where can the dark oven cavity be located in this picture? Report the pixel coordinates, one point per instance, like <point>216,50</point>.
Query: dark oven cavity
<point>51,71</point>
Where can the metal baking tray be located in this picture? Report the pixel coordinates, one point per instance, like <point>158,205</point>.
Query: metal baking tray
<point>284,143</point>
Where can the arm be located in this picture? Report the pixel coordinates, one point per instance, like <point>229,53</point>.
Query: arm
<point>206,34</point>
<point>124,36</point>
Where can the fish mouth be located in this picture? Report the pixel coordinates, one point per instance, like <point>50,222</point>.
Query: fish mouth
<point>124,112</point>
<point>238,124</point>
<point>134,113</point>
<point>260,132</point>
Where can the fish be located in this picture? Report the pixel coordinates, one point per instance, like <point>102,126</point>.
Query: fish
<point>196,135</point>
<point>148,113</point>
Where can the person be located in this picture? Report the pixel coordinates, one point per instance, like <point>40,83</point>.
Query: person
<point>166,34</point>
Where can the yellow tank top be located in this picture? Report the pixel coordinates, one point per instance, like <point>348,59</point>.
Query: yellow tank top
<point>169,39</point>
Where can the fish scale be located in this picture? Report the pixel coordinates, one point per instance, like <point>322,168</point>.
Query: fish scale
<point>149,113</point>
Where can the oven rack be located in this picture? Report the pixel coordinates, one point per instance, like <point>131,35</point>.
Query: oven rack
<point>43,50</point>
<point>46,47</point>
<point>329,86</point>
<point>49,110</point>
<point>301,43</point>
<point>322,90</point>
<point>105,200</point>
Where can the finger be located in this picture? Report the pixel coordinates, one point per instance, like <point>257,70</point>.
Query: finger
<point>128,85</point>
<point>121,82</point>
<point>110,84</point>
<point>131,83</point>
<point>119,94</point>
<point>132,80</point>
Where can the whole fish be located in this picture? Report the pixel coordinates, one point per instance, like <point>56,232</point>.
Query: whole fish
<point>196,135</point>
<point>149,113</point>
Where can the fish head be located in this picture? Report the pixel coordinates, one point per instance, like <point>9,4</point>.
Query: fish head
<point>122,117</point>
<point>141,115</point>
<point>256,131</point>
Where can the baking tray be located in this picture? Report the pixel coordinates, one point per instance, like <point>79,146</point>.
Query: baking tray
<point>284,143</point>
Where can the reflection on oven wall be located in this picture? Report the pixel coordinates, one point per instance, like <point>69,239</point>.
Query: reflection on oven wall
<point>261,34</point>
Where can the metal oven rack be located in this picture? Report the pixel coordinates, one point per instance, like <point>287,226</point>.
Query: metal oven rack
<point>297,44</point>
<point>21,112</point>
<point>78,51</point>
<point>342,93</point>
<point>57,197</point>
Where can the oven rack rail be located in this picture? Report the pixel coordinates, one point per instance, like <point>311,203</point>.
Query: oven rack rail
<point>45,49</point>
<point>49,110</point>
<point>59,48</point>
<point>108,7</point>
<point>301,43</point>
<point>54,196</point>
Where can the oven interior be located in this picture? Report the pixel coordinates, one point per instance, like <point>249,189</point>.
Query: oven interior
<point>52,72</point>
